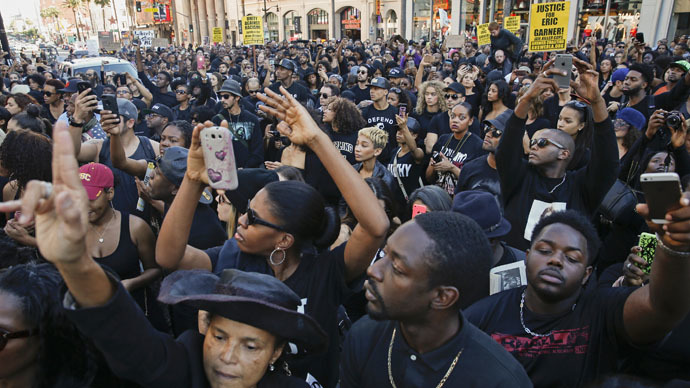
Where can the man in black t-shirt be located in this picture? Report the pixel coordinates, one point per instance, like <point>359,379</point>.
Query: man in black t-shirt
<point>415,334</point>
<point>567,336</point>
<point>381,114</point>
<point>361,90</point>
<point>247,137</point>
<point>284,72</point>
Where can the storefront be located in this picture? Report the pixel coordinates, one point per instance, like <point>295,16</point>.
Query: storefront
<point>272,27</point>
<point>292,26</point>
<point>391,24</point>
<point>351,23</point>
<point>318,23</point>
<point>422,22</point>
<point>622,22</point>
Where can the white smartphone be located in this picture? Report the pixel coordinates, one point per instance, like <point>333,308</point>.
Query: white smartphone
<point>219,158</point>
<point>563,62</point>
<point>662,193</point>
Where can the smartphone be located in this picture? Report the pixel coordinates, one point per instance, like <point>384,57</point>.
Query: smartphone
<point>563,62</point>
<point>433,68</point>
<point>200,62</point>
<point>123,79</point>
<point>219,158</point>
<point>648,245</point>
<point>418,209</point>
<point>402,110</point>
<point>110,104</point>
<point>662,192</point>
<point>83,85</point>
<point>436,157</point>
<point>271,62</point>
<point>640,37</point>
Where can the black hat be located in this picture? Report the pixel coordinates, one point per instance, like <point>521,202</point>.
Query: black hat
<point>396,72</point>
<point>162,110</point>
<point>287,64</point>
<point>231,86</point>
<point>379,82</point>
<point>501,120</point>
<point>255,299</point>
<point>456,87</point>
<point>482,207</point>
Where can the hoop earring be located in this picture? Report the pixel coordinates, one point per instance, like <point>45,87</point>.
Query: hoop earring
<point>270,258</point>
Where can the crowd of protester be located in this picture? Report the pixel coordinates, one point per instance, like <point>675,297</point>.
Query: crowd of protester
<point>379,183</point>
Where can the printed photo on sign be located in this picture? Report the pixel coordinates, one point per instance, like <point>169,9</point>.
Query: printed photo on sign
<point>538,211</point>
<point>507,276</point>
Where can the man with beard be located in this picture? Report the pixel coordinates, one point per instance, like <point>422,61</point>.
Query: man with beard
<point>284,71</point>
<point>244,126</point>
<point>672,75</point>
<point>635,87</point>
<point>415,333</point>
<point>160,91</point>
<point>361,90</point>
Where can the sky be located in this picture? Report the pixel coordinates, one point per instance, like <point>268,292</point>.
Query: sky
<point>27,8</point>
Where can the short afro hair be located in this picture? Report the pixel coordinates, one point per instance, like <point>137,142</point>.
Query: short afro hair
<point>577,221</point>
<point>460,255</point>
<point>646,71</point>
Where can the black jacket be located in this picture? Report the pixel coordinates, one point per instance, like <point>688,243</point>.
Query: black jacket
<point>509,43</point>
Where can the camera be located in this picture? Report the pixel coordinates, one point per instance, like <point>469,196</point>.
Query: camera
<point>673,120</point>
<point>436,156</point>
<point>274,133</point>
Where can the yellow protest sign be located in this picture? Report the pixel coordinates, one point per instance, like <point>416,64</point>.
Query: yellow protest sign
<point>217,35</point>
<point>252,30</point>
<point>483,35</point>
<point>511,23</point>
<point>548,26</point>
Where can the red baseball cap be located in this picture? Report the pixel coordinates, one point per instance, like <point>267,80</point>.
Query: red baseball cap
<point>95,177</point>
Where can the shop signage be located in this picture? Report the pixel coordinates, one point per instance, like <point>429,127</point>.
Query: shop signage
<point>440,4</point>
<point>253,30</point>
<point>548,26</point>
<point>483,35</point>
<point>378,7</point>
<point>217,35</point>
<point>352,24</point>
<point>511,23</point>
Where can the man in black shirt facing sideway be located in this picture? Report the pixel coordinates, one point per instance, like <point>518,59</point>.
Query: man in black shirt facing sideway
<point>381,114</point>
<point>244,126</point>
<point>415,334</point>
<point>361,89</point>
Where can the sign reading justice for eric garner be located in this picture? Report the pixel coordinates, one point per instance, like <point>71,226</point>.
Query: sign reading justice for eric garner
<point>548,26</point>
<point>253,30</point>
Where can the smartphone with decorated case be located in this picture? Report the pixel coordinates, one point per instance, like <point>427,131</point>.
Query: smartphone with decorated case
<point>647,244</point>
<point>219,158</point>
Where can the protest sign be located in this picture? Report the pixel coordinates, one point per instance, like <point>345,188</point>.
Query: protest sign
<point>145,37</point>
<point>217,35</point>
<point>511,23</point>
<point>159,42</point>
<point>548,26</point>
<point>253,30</point>
<point>455,41</point>
<point>483,35</point>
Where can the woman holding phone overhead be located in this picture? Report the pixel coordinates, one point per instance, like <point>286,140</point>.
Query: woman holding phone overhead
<point>283,229</point>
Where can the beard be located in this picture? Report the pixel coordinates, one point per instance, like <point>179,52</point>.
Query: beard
<point>632,92</point>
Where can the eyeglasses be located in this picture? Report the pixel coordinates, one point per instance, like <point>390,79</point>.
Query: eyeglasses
<point>453,96</point>
<point>324,95</point>
<point>543,142</point>
<point>577,104</point>
<point>224,96</point>
<point>252,219</point>
<point>180,91</point>
<point>494,132</point>
<point>6,336</point>
<point>153,115</point>
<point>253,91</point>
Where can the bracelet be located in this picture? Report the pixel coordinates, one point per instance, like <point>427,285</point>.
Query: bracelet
<point>668,250</point>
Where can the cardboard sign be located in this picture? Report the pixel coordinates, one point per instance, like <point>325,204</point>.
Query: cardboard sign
<point>145,37</point>
<point>159,42</point>
<point>511,23</point>
<point>483,35</point>
<point>92,46</point>
<point>253,30</point>
<point>217,35</point>
<point>455,41</point>
<point>548,26</point>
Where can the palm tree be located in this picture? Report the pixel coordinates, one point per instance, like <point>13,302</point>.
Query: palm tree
<point>52,12</point>
<point>102,4</point>
<point>74,5</point>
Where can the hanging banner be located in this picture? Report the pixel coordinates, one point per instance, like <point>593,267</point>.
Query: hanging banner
<point>511,23</point>
<point>217,35</point>
<point>253,30</point>
<point>483,35</point>
<point>548,26</point>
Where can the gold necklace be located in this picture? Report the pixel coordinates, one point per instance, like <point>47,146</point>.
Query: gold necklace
<point>390,369</point>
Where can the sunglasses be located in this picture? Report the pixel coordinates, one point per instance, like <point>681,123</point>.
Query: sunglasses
<point>543,142</point>
<point>494,132</point>
<point>324,95</point>
<point>123,92</point>
<point>252,219</point>
<point>253,91</point>
<point>453,96</point>
<point>362,72</point>
<point>180,92</point>
<point>49,94</point>
<point>6,336</point>
<point>224,96</point>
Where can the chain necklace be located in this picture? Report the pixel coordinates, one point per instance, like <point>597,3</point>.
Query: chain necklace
<point>522,320</point>
<point>390,369</point>
<point>100,237</point>
<point>555,187</point>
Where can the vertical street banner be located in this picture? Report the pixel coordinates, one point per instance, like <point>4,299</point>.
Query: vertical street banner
<point>217,35</point>
<point>483,35</point>
<point>548,26</point>
<point>511,23</point>
<point>253,30</point>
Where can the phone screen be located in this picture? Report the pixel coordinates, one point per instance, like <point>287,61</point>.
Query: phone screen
<point>402,109</point>
<point>418,209</point>
<point>200,62</point>
<point>662,193</point>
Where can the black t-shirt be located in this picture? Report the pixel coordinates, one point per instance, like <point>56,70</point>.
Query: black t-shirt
<point>478,175</point>
<point>345,143</point>
<point>320,283</point>
<point>538,124</point>
<point>481,362</point>
<point>458,152</point>
<point>298,91</point>
<point>247,139</point>
<point>409,172</point>
<point>360,94</point>
<point>181,114</point>
<point>585,343</point>
<point>383,119</point>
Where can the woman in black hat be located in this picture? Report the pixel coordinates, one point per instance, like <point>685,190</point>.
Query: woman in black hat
<point>250,316</point>
<point>281,226</point>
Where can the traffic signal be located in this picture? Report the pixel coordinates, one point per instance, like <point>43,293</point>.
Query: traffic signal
<point>138,6</point>
<point>191,28</point>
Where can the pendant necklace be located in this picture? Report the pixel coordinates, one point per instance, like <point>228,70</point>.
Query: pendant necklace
<point>100,237</point>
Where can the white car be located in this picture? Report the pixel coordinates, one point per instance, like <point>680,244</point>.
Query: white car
<point>82,65</point>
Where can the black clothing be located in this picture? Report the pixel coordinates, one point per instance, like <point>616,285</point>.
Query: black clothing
<point>345,143</point>
<point>527,194</point>
<point>45,113</point>
<point>380,171</point>
<point>409,172</point>
<point>298,91</point>
<point>206,231</point>
<point>510,255</point>
<point>135,351</point>
<point>168,98</point>
<point>459,152</point>
<point>667,101</point>
<point>424,120</point>
<point>508,42</point>
<point>180,114</point>
<point>585,342</point>
<point>482,363</point>
<point>536,125</point>
<point>320,283</point>
<point>383,119</point>
<point>552,109</point>
<point>478,175</point>
<point>360,94</point>
<point>247,139</point>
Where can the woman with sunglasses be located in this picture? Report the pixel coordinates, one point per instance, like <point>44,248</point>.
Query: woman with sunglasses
<point>53,105</point>
<point>280,228</point>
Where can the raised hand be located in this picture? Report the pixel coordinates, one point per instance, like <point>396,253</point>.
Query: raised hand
<point>587,83</point>
<point>296,122</point>
<point>675,234</point>
<point>110,123</point>
<point>196,167</point>
<point>84,104</point>
<point>60,211</point>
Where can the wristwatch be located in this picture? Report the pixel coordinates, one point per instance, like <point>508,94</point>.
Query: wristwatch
<point>75,124</point>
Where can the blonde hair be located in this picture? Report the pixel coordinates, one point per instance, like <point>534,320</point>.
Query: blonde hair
<point>421,101</point>
<point>377,136</point>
